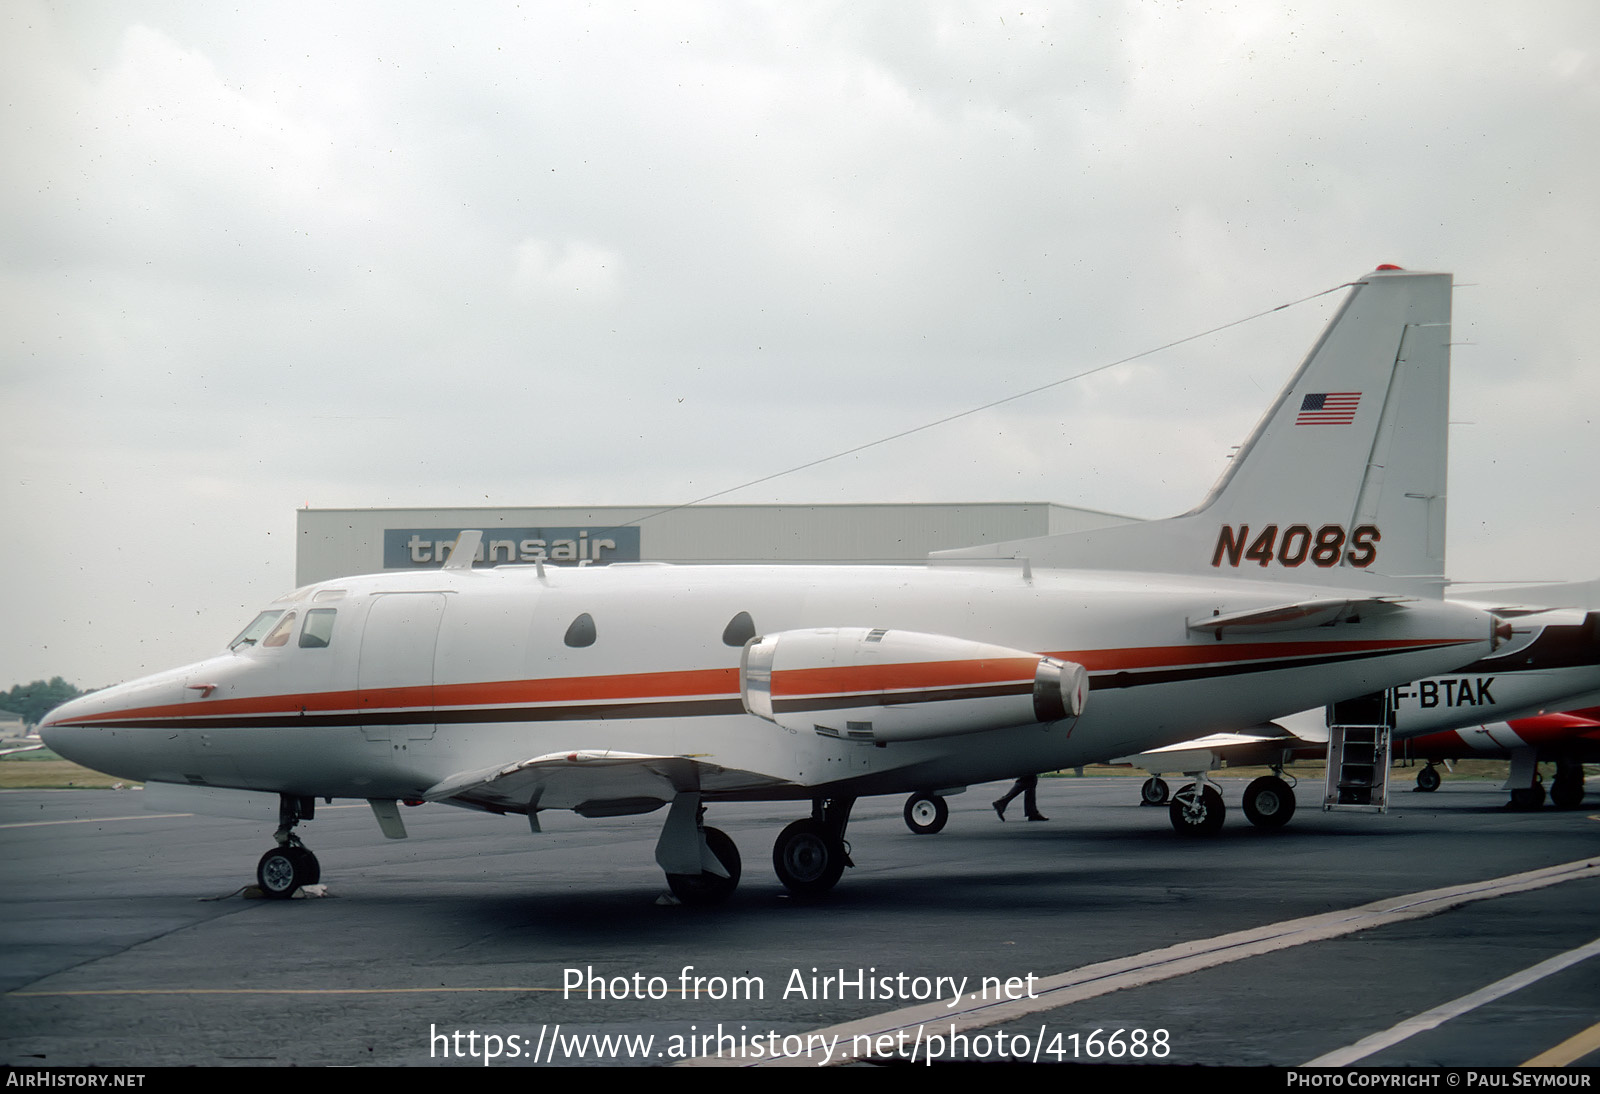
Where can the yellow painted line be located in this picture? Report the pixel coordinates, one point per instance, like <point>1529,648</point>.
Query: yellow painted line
<point>1090,981</point>
<point>1573,1048</point>
<point>1445,1012</point>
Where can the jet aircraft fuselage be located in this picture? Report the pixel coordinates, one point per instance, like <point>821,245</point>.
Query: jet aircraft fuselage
<point>385,686</point>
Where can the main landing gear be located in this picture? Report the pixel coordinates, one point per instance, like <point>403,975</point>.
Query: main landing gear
<point>290,865</point>
<point>1428,779</point>
<point>702,864</point>
<point>1197,809</point>
<point>810,855</point>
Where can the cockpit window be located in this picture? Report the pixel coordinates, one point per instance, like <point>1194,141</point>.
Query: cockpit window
<point>318,631</point>
<point>279,636</point>
<point>258,627</point>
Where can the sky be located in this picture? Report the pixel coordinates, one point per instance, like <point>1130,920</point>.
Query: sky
<point>262,257</point>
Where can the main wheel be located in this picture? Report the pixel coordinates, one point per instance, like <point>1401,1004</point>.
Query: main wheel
<point>1268,802</point>
<point>1154,791</point>
<point>282,870</point>
<point>808,858</point>
<point>1567,792</point>
<point>705,887</point>
<point>1428,779</point>
<point>1197,815</point>
<point>926,813</point>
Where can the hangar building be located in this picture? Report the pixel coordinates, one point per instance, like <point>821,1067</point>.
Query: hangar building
<point>336,542</point>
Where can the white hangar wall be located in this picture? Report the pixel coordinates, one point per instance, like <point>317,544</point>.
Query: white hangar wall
<point>336,542</point>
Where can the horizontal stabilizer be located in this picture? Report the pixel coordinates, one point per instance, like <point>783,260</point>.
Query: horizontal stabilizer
<point>1290,617</point>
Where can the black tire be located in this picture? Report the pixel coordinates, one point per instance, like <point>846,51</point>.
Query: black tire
<point>1154,791</point>
<point>926,814</point>
<point>808,858</point>
<point>705,887</point>
<point>306,864</point>
<point>1202,817</point>
<point>1268,802</point>
<point>279,873</point>
<point>1428,779</point>
<point>1527,798</point>
<point>1566,793</point>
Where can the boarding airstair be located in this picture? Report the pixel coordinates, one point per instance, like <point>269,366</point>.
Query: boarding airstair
<point>1360,734</point>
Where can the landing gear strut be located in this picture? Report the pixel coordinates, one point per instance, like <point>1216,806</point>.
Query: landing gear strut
<point>810,855</point>
<point>284,869</point>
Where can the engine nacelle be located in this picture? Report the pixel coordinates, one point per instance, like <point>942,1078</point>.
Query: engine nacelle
<point>883,685</point>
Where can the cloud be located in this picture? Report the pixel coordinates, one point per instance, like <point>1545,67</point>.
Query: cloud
<point>574,274</point>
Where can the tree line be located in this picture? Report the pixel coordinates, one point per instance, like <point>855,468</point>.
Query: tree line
<point>33,701</point>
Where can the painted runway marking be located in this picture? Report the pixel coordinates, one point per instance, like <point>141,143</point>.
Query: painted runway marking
<point>95,820</point>
<point>1164,964</point>
<point>1438,1016</point>
<point>134,817</point>
<point>1571,1050</point>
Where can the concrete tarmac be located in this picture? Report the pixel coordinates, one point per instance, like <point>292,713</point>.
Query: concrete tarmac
<point>475,937</point>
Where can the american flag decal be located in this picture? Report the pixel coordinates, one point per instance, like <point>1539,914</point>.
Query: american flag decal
<point>1329,408</point>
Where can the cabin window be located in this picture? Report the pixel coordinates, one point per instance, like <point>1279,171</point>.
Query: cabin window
<point>581,632</point>
<point>318,631</point>
<point>279,635</point>
<point>740,629</point>
<point>259,626</point>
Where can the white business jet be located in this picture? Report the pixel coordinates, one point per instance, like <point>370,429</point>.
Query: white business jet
<point>1311,573</point>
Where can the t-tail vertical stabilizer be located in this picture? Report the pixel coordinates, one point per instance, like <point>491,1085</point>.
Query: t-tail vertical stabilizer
<point>1342,482</point>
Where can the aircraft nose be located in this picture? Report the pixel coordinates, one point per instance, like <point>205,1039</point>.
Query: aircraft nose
<point>108,730</point>
<point>68,731</point>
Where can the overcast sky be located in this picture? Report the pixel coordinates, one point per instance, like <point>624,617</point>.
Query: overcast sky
<point>333,254</point>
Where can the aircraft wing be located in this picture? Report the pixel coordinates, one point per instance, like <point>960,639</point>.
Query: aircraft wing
<point>1264,745</point>
<point>591,782</point>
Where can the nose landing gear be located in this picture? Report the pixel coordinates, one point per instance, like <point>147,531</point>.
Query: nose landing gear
<point>283,870</point>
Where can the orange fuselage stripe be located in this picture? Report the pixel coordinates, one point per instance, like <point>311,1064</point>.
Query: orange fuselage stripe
<point>724,682</point>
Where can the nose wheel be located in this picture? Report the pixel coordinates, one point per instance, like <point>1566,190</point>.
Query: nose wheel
<point>284,869</point>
